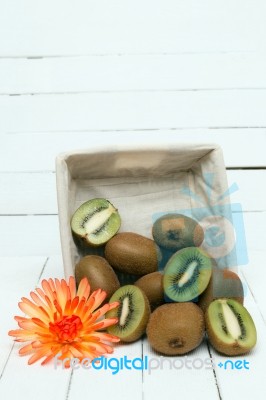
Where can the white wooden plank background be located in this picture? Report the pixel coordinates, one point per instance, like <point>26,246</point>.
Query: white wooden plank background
<point>119,73</point>
<point>145,110</point>
<point>118,26</point>
<point>104,74</point>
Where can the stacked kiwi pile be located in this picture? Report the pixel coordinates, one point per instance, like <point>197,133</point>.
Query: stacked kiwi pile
<point>176,292</point>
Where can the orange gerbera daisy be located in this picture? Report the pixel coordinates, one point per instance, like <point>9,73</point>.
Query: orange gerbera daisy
<point>63,321</point>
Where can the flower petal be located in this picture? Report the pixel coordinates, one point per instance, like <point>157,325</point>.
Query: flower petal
<point>64,321</point>
<point>102,336</point>
<point>25,349</point>
<point>72,287</point>
<point>37,355</point>
<point>84,288</point>
<point>33,310</point>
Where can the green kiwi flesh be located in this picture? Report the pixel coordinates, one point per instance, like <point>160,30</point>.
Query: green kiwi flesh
<point>176,328</point>
<point>95,221</point>
<point>133,313</point>
<point>230,327</point>
<point>152,286</point>
<point>177,231</point>
<point>223,283</point>
<point>99,274</point>
<point>187,274</point>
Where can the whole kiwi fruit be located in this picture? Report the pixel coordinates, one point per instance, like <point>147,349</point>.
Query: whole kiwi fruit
<point>99,274</point>
<point>132,253</point>
<point>230,327</point>
<point>223,283</point>
<point>176,328</point>
<point>152,286</point>
<point>133,313</point>
<point>176,231</point>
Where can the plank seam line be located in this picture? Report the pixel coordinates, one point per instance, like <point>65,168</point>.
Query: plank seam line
<point>152,129</point>
<point>29,172</point>
<point>118,91</point>
<point>69,384</point>
<point>8,358</point>
<point>120,54</point>
<point>42,270</point>
<point>214,372</point>
<point>245,168</point>
<point>29,215</point>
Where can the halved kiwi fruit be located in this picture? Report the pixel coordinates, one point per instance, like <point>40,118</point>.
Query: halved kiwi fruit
<point>230,327</point>
<point>176,328</point>
<point>152,286</point>
<point>95,222</point>
<point>99,273</point>
<point>187,274</point>
<point>176,231</point>
<point>223,283</point>
<point>133,313</point>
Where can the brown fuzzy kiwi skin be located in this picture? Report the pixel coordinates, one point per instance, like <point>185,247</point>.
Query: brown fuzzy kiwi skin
<point>99,274</point>
<point>222,282</point>
<point>152,285</point>
<point>176,328</point>
<point>132,253</point>
<point>177,231</point>
<point>142,325</point>
<point>229,350</point>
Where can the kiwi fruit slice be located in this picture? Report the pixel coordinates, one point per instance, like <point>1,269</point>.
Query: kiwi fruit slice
<point>230,327</point>
<point>223,283</point>
<point>152,286</point>
<point>177,231</point>
<point>99,273</point>
<point>187,274</point>
<point>95,222</point>
<point>133,313</point>
<point>132,253</point>
<point>176,328</point>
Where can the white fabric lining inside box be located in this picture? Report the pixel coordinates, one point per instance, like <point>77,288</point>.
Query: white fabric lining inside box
<point>140,183</point>
<point>137,201</point>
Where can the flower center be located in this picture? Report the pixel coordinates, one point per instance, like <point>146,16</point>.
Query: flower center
<point>67,328</point>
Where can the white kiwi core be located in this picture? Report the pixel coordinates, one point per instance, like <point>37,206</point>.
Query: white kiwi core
<point>98,220</point>
<point>231,321</point>
<point>188,273</point>
<point>124,312</point>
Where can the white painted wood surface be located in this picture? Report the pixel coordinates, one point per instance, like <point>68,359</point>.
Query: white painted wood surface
<point>112,73</point>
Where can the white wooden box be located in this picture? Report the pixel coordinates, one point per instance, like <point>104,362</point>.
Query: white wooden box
<point>141,183</point>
